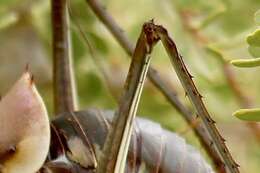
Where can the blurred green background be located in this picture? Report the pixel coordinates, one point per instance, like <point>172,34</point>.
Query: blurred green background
<point>197,26</point>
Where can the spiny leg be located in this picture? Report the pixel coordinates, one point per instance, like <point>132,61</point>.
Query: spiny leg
<point>195,97</point>
<point>167,91</point>
<point>116,146</point>
<point>119,134</point>
<point>209,120</point>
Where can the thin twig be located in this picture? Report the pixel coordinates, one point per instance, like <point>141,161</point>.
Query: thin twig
<point>161,85</point>
<point>93,55</point>
<point>64,85</point>
<point>111,24</point>
<point>117,143</point>
<point>195,97</point>
<point>64,89</point>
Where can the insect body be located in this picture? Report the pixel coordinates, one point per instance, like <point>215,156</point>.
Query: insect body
<point>152,149</point>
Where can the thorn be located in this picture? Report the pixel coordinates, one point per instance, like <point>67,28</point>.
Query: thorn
<point>237,165</point>
<point>224,140</point>
<point>12,149</point>
<point>190,75</point>
<point>225,150</point>
<point>209,120</point>
<point>200,96</point>
<point>31,79</point>
<point>211,143</point>
<point>186,94</point>
<point>27,67</point>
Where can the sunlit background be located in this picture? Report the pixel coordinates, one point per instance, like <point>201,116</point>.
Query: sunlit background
<point>207,33</point>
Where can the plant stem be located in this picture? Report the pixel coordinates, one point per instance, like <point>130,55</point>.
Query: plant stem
<point>160,84</point>
<point>93,55</point>
<point>195,97</point>
<point>64,85</point>
<point>111,24</point>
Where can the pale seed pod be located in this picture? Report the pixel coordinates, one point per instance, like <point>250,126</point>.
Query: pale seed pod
<point>24,128</point>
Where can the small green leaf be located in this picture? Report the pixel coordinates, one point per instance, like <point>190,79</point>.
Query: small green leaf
<point>254,62</point>
<point>254,38</point>
<point>248,114</point>
<point>254,51</point>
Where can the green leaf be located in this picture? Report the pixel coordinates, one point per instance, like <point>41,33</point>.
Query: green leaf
<point>254,38</point>
<point>254,62</point>
<point>248,114</point>
<point>254,51</point>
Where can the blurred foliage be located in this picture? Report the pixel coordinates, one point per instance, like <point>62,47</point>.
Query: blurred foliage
<point>207,33</point>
